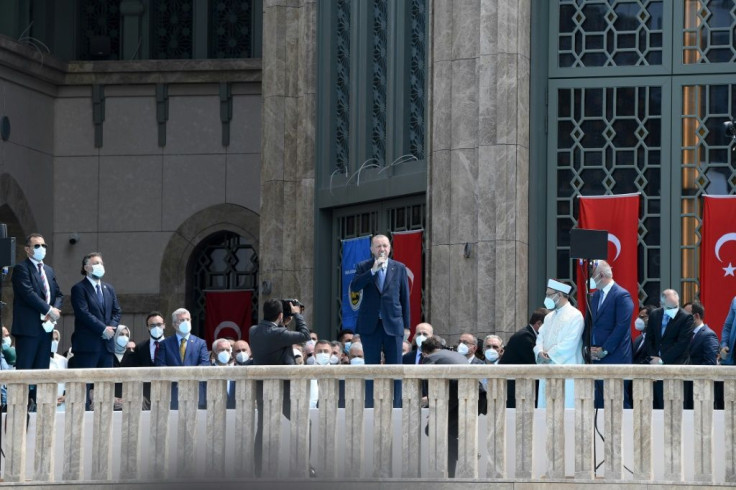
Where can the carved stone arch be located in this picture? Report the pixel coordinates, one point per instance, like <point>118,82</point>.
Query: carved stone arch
<point>221,217</point>
<point>16,213</point>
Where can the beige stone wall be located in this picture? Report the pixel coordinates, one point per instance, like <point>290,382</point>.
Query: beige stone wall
<point>143,206</point>
<point>287,173</point>
<point>479,173</point>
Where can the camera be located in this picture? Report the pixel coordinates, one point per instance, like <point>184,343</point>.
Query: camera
<point>730,127</point>
<point>73,238</point>
<point>286,305</point>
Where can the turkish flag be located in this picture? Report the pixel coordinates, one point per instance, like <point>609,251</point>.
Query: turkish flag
<point>228,315</point>
<point>718,259</point>
<point>619,216</point>
<point>407,248</point>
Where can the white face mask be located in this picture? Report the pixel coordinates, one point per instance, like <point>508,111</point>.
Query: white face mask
<point>419,339</point>
<point>242,357</point>
<point>550,303</point>
<point>334,359</point>
<point>54,346</point>
<point>223,357</point>
<point>639,324</point>
<point>310,361</point>
<point>322,358</point>
<point>462,349</point>
<point>156,333</point>
<point>98,270</point>
<point>122,340</point>
<point>491,355</point>
<point>185,327</point>
<point>39,253</point>
<point>7,341</point>
<point>357,361</point>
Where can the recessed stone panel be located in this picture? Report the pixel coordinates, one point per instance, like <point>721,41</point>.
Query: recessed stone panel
<point>76,194</point>
<point>131,193</point>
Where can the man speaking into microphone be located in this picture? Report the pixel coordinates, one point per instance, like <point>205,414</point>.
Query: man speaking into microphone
<point>384,309</point>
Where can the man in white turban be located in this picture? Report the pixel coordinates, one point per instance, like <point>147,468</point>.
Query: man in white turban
<point>560,340</point>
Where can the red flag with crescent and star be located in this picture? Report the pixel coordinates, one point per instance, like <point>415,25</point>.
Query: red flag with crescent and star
<point>228,314</point>
<point>407,247</point>
<point>718,259</point>
<point>619,216</point>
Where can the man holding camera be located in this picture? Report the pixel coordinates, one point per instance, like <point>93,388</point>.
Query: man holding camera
<point>271,343</point>
<point>270,340</point>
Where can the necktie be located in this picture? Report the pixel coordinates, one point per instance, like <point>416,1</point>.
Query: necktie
<point>100,298</point>
<point>182,349</point>
<point>600,303</point>
<point>381,278</point>
<point>641,344</point>
<point>45,282</point>
<point>155,351</point>
<point>665,321</point>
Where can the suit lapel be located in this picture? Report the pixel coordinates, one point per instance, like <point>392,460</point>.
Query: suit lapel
<point>390,269</point>
<point>35,277</point>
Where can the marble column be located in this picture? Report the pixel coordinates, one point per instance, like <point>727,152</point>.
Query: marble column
<point>287,149</point>
<point>478,184</point>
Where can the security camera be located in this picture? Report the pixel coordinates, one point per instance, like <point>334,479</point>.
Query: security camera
<point>73,238</point>
<point>730,128</point>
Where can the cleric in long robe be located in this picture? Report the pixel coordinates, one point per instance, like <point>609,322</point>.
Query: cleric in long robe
<point>560,340</point>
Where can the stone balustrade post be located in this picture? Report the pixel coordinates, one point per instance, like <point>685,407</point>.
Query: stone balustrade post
<point>188,404</point>
<point>411,427</point>
<point>673,429</point>
<point>354,440</point>
<point>45,431</point>
<point>703,429</point>
<point>383,427</point>
<point>612,426</point>
<point>327,437</point>
<point>159,429</point>
<point>438,440</point>
<point>643,400</point>
<point>584,413</point>
<point>299,438</point>
<point>273,397</point>
<point>555,418</point>
<point>104,394</point>
<point>130,443</point>
<point>15,435</point>
<point>245,420</point>
<point>216,430</point>
<point>75,401</point>
<point>729,414</point>
<point>526,393</point>
<point>467,444</point>
<point>496,421</point>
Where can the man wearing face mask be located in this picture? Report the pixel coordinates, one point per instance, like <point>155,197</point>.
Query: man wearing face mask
<point>493,349</point>
<point>703,346</point>
<point>356,354</point>
<point>222,352</point>
<point>640,324</point>
<point>241,351</point>
<point>37,301</point>
<point>144,354</point>
<point>182,349</point>
<point>96,316</point>
<point>423,332</point>
<point>8,351</point>
<point>611,308</point>
<point>668,335</point>
<point>467,346</point>
<point>520,350</point>
<point>560,339</point>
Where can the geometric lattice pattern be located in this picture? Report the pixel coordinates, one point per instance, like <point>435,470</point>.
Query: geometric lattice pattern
<point>99,19</point>
<point>172,29</point>
<point>707,164</point>
<point>229,29</point>
<point>378,87</point>
<point>417,50</point>
<point>708,33</point>
<point>342,85</point>
<point>222,261</point>
<point>609,142</point>
<point>599,33</point>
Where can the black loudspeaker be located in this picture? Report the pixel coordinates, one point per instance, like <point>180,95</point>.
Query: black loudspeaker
<point>588,244</point>
<point>7,252</point>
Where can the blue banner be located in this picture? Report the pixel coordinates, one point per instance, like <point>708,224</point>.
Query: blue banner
<point>354,251</point>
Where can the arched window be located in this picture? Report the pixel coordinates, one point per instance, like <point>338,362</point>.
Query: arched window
<point>222,261</point>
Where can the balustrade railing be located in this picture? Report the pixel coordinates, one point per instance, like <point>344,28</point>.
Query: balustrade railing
<point>353,442</point>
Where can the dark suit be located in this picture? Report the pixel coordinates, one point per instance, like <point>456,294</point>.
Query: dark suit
<point>90,320</point>
<point>32,342</point>
<point>411,357</point>
<point>703,352</point>
<point>612,332</point>
<point>443,356</point>
<point>195,355</point>
<point>383,316</point>
<point>672,347</point>
<point>639,350</point>
<point>141,357</point>
<point>518,350</point>
<point>271,344</point>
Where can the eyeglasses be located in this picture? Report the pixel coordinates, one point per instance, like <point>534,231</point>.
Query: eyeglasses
<point>156,325</point>
<point>39,245</point>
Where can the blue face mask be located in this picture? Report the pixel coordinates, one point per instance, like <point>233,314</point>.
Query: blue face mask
<point>347,347</point>
<point>39,253</point>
